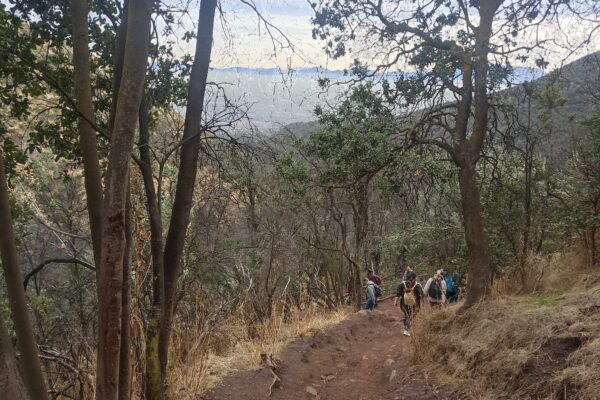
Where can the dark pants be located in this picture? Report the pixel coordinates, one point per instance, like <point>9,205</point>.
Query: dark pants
<point>452,297</point>
<point>408,315</point>
<point>369,305</point>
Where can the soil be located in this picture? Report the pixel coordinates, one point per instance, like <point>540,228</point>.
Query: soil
<point>364,357</point>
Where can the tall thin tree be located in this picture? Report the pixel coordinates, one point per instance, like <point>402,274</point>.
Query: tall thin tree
<point>114,226</point>
<point>30,361</point>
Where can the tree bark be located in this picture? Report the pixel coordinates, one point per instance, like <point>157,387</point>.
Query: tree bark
<point>30,362</point>
<point>11,382</point>
<point>479,273</point>
<point>124,361</point>
<point>188,165</point>
<point>113,239</point>
<point>87,133</point>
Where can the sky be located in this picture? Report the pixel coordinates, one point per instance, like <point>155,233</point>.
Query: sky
<point>241,39</point>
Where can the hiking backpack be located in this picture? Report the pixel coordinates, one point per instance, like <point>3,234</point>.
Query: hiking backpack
<point>409,295</point>
<point>450,285</point>
<point>377,290</point>
<point>376,279</point>
<point>435,290</point>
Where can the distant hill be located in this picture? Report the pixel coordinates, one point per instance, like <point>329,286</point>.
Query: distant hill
<point>579,84</point>
<point>281,97</point>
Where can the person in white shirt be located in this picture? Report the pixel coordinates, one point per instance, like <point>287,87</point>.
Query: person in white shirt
<point>435,290</point>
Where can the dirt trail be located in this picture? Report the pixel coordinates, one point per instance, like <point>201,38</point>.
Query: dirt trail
<point>364,357</point>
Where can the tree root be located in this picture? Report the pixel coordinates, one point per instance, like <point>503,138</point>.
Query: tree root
<point>273,365</point>
<point>276,380</point>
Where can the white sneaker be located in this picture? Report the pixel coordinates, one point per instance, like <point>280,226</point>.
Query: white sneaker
<point>406,333</point>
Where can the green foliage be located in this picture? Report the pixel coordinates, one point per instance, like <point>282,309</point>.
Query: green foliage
<point>355,138</point>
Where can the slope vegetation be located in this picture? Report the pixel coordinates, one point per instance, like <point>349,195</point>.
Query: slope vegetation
<point>541,346</point>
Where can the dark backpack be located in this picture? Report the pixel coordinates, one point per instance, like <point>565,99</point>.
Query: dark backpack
<point>377,290</point>
<point>435,290</point>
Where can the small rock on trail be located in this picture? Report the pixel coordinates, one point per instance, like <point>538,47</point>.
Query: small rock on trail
<point>350,361</point>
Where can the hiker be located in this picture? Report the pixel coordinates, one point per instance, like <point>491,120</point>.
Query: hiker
<point>406,272</point>
<point>370,295</point>
<point>373,277</point>
<point>348,293</point>
<point>410,294</point>
<point>451,287</point>
<point>435,289</point>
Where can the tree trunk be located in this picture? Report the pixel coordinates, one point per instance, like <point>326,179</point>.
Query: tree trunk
<point>11,382</point>
<point>480,269</point>
<point>30,362</point>
<point>154,386</point>
<point>124,361</point>
<point>118,59</point>
<point>113,238</point>
<point>477,246</point>
<point>188,165</point>
<point>87,132</point>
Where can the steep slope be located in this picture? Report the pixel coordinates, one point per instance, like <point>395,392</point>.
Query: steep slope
<point>542,346</point>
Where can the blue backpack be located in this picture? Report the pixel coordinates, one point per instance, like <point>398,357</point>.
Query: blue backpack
<point>450,285</point>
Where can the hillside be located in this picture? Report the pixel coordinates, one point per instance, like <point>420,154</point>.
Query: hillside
<point>577,84</point>
<point>540,346</point>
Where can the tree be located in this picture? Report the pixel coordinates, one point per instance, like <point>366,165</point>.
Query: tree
<point>167,260</point>
<point>86,121</point>
<point>31,366</point>
<point>352,147</point>
<point>449,44</point>
<point>110,284</point>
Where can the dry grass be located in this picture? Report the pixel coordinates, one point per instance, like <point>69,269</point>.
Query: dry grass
<point>542,273</point>
<point>231,349</point>
<point>542,346</point>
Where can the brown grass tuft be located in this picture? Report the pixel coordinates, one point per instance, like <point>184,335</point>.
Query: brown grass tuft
<point>542,273</point>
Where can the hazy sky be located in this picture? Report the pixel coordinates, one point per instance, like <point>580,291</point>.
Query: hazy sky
<point>242,40</point>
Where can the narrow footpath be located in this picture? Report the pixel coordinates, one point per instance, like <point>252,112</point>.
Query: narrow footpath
<point>365,357</point>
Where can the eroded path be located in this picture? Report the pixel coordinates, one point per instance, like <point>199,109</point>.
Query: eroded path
<point>363,358</point>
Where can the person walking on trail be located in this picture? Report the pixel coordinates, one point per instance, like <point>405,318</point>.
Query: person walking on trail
<point>410,294</point>
<point>370,295</point>
<point>376,279</point>
<point>435,289</point>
